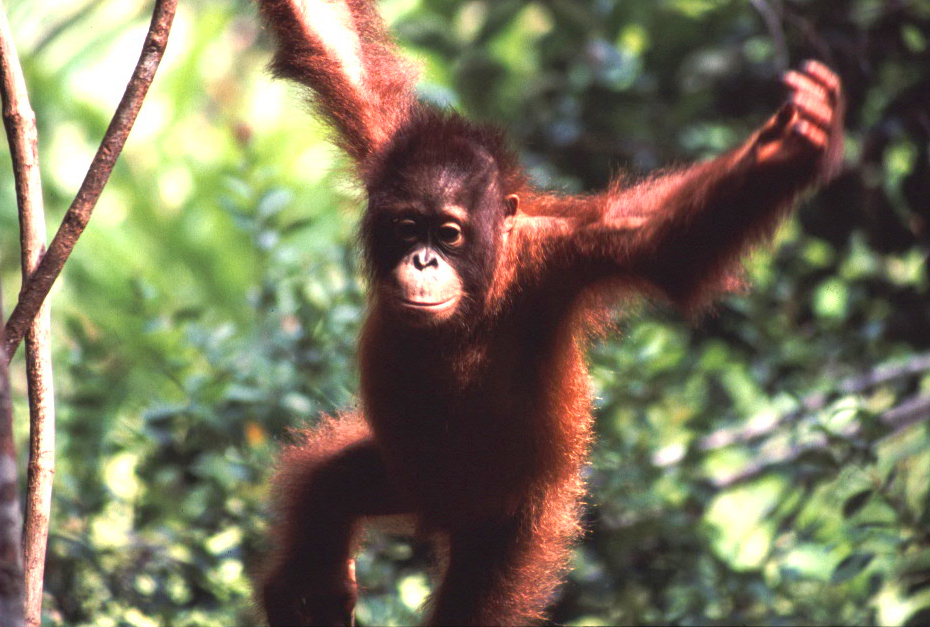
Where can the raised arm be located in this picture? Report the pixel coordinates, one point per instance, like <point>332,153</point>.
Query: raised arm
<point>342,52</point>
<point>682,232</point>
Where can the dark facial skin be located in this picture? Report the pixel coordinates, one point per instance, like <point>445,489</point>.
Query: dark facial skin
<point>424,285</point>
<point>434,235</point>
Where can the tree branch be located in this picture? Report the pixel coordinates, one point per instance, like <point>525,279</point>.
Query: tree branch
<point>772,19</point>
<point>11,523</point>
<point>856,384</point>
<point>38,365</point>
<point>34,293</point>
<point>19,121</point>
<point>22,135</point>
<point>64,24</point>
<point>911,411</point>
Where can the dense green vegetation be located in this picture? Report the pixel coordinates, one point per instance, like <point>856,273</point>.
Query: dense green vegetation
<point>758,465</point>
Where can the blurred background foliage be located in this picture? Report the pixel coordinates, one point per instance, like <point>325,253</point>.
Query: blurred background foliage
<point>766,464</point>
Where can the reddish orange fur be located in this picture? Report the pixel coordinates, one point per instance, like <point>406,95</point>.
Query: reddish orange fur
<point>479,430</point>
<point>363,121</point>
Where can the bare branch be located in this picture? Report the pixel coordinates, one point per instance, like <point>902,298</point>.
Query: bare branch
<point>78,214</point>
<point>885,373</point>
<point>40,385</point>
<point>25,164</point>
<point>41,448</point>
<point>810,33</point>
<point>772,18</point>
<point>20,123</point>
<point>64,24</point>
<point>910,412</point>
<point>728,436</point>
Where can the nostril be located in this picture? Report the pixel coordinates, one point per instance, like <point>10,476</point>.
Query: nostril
<point>424,259</point>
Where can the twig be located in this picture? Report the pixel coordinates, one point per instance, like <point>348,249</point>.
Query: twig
<point>721,438</point>
<point>19,121</point>
<point>22,135</point>
<point>885,373</point>
<point>64,24</point>
<point>772,21</point>
<point>41,388</point>
<point>810,33</point>
<point>908,413</point>
<point>78,214</point>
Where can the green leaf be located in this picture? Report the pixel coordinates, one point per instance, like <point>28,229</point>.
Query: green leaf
<point>851,566</point>
<point>855,503</point>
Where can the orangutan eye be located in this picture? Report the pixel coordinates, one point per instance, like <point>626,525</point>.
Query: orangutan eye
<point>406,230</point>
<point>450,234</point>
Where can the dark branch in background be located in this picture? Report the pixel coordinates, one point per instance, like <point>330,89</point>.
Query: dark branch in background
<point>772,18</point>
<point>809,31</point>
<point>908,412</point>
<point>857,384</point>
<point>63,25</point>
<point>34,293</point>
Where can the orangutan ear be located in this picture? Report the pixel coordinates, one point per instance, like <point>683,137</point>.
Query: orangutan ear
<point>512,202</point>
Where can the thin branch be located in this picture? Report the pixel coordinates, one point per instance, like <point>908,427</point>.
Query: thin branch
<point>910,412</point>
<point>39,380</point>
<point>19,121</point>
<point>64,24</point>
<point>41,472</point>
<point>810,33</point>
<point>773,19</point>
<point>885,373</point>
<point>856,384</point>
<point>22,134</point>
<point>78,214</point>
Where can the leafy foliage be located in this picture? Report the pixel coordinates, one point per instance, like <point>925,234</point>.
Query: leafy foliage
<point>769,463</point>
